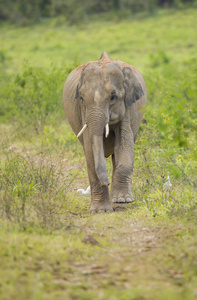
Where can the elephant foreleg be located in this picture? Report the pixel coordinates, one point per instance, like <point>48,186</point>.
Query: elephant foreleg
<point>122,166</point>
<point>100,200</point>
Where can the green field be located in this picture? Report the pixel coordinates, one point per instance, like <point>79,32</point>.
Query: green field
<point>50,246</point>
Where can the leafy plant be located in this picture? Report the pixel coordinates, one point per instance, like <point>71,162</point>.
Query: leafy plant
<point>33,99</point>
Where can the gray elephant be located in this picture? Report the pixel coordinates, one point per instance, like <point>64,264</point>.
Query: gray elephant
<point>103,102</point>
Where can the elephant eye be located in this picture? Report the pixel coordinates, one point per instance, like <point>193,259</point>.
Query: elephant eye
<point>113,96</point>
<point>81,98</point>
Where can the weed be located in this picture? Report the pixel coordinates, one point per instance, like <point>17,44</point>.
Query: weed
<point>31,187</point>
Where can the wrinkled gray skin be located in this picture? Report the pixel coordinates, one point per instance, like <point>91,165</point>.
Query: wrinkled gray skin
<point>98,93</point>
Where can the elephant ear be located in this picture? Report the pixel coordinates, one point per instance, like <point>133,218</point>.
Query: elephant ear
<point>77,92</point>
<point>133,88</point>
<point>79,85</point>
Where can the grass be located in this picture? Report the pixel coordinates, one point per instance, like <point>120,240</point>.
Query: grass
<point>50,247</point>
<point>131,41</point>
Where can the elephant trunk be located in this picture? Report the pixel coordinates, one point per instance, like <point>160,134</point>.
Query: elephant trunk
<point>98,151</point>
<point>98,123</point>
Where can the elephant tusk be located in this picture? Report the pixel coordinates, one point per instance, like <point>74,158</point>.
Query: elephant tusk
<point>106,130</point>
<point>82,130</point>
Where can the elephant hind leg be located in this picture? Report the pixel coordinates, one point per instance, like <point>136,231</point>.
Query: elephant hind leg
<point>119,206</point>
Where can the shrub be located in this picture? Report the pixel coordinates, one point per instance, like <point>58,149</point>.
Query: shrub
<point>34,97</point>
<point>32,190</point>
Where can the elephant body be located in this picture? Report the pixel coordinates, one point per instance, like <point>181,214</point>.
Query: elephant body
<point>108,97</point>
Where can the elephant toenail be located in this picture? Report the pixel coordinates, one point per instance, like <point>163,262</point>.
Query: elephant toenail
<point>93,212</point>
<point>114,200</point>
<point>121,200</point>
<point>129,200</point>
<point>117,209</point>
<point>101,211</point>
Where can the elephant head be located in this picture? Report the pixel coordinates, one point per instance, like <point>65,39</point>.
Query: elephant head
<point>105,91</point>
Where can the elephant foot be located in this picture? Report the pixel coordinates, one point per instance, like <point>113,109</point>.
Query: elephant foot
<point>128,198</point>
<point>119,206</point>
<point>99,207</point>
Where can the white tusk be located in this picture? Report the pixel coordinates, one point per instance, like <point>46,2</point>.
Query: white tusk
<point>82,130</point>
<point>106,130</point>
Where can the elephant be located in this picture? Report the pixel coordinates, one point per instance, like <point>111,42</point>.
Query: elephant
<point>104,104</point>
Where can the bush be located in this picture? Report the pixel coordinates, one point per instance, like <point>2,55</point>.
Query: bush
<point>34,97</point>
<point>22,11</point>
<point>30,187</point>
<point>171,115</point>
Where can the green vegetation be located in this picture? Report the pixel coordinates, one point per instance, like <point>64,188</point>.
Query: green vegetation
<point>50,247</point>
<point>25,12</point>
